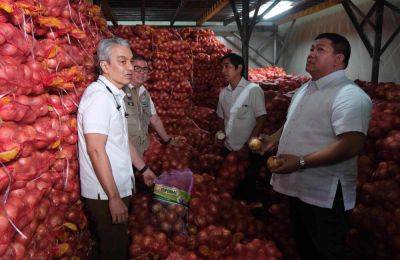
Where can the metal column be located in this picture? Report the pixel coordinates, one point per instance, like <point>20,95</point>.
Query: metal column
<point>275,48</point>
<point>376,50</point>
<point>246,36</point>
<point>378,40</point>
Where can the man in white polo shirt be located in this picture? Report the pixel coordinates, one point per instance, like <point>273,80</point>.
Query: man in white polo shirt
<point>241,106</point>
<point>105,158</point>
<point>324,132</point>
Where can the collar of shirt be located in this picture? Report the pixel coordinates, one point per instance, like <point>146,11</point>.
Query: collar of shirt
<point>132,86</point>
<point>242,84</point>
<point>324,81</point>
<point>115,91</point>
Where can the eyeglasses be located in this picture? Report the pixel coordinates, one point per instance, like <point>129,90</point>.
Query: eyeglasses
<point>141,69</point>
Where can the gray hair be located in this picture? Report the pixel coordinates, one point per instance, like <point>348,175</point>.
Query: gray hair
<point>104,48</point>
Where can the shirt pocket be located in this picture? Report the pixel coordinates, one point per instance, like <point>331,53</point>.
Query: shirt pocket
<point>145,104</point>
<point>243,112</point>
<point>117,122</point>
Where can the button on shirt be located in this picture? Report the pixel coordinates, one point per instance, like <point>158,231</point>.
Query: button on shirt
<point>318,113</point>
<point>98,114</point>
<point>252,107</point>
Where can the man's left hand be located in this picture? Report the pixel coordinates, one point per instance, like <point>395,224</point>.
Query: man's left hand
<point>177,140</point>
<point>291,163</point>
<point>149,177</point>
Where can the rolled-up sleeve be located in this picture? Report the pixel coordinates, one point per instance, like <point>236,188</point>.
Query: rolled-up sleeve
<point>220,112</point>
<point>153,110</point>
<point>351,111</point>
<point>257,101</point>
<point>96,116</point>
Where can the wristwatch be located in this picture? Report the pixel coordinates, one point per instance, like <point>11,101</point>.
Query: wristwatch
<point>167,142</point>
<point>141,171</point>
<point>302,163</point>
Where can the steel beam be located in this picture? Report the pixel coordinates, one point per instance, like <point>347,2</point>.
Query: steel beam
<point>308,11</point>
<point>254,50</point>
<point>178,10</point>
<point>266,11</point>
<point>285,41</point>
<point>375,50</point>
<point>230,28</point>
<point>237,17</point>
<point>143,11</point>
<point>368,16</point>
<point>246,35</point>
<point>252,8</point>
<point>105,6</point>
<point>275,49</point>
<point>245,27</point>
<point>255,16</point>
<point>267,41</point>
<point>297,7</point>
<point>391,38</point>
<point>391,6</point>
<point>216,8</point>
<point>356,25</point>
<point>378,40</point>
<point>240,48</point>
<point>361,13</point>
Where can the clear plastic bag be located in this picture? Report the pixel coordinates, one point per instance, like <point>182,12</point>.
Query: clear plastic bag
<point>172,195</point>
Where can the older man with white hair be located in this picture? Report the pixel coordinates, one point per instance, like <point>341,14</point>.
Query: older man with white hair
<point>105,156</point>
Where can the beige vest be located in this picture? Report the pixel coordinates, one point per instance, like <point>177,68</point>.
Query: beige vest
<point>139,114</point>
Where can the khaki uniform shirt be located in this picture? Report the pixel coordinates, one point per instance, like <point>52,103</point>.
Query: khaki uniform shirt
<point>140,108</point>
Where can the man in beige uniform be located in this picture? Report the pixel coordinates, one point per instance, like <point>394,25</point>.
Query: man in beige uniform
<point>141,110</point>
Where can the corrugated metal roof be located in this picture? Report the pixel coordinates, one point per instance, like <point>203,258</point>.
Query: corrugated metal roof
<point>192,10</point>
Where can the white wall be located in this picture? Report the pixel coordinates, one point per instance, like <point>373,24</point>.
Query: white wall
<point>336,20</point>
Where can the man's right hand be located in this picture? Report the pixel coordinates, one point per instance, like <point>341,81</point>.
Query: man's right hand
<point>269,144</point>
<point>219,137</point>
<point>118,210</point>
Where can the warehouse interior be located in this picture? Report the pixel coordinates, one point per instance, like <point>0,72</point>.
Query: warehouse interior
<point>299,25</point>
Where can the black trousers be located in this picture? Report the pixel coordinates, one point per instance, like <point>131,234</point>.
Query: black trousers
<point>111,240</point>
<point>320,233</point>
<point>247,188</point>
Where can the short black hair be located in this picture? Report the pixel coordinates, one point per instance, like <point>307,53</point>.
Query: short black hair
<point>235,59</point>
<point>339,43</point>
<point>139,57</point>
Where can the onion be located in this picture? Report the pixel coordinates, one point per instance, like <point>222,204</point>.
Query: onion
<point>255,144</point>
<point>8,50</point>
<point>55,220</point>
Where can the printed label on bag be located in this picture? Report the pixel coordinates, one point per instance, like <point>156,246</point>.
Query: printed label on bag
<point>171,194</point>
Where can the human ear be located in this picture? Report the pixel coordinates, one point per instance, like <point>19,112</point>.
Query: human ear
<point>240,67</point>
<point>339,59</point>
<point>104,66</point>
